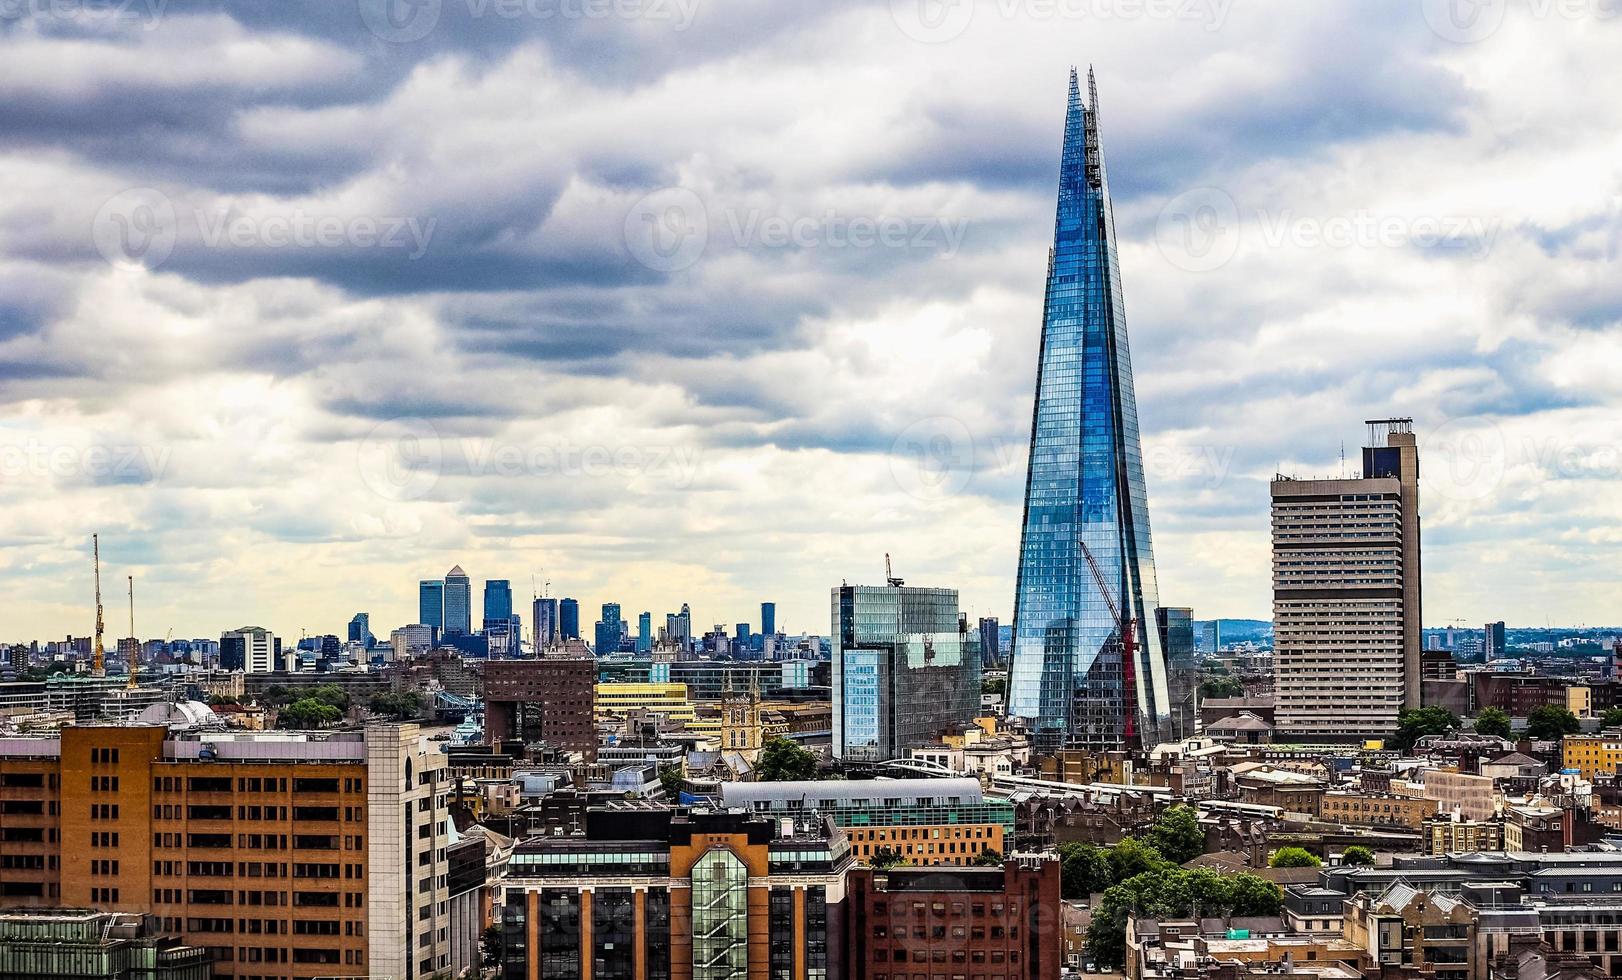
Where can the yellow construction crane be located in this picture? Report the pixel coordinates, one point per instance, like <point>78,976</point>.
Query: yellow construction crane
<point>97,667</point>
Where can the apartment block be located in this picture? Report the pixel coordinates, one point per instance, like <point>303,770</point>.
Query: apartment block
<point>289,856</point>
<point>549,700</point>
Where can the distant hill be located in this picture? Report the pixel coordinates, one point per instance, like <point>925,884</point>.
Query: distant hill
<point>1237,630</point>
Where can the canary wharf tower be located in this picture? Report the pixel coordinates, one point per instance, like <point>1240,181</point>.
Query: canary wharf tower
<point>1086,566</point>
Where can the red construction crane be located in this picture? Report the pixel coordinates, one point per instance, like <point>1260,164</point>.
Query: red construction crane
<point>1127,629</point>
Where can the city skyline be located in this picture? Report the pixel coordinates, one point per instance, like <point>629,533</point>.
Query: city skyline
<point>1302,247</point>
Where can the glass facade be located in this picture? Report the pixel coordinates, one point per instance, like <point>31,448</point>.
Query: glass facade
<point>431,603</point>
<point>1084,492</point>
<point>720,917</point>
<point>613,934</point>
<point>1176,626</point>
<point>458,602</point>
<point>904,667</point>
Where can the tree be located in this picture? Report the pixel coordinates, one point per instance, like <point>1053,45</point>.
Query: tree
<point>1173,893</point>
<point>993,685</point>
<point>671,778</point>
<point>1493,721</point>
<point>1359,855</point>
<point>492,945</point>
<point>780,760</point>
<point>307,713</point>
<point>1294,857</point>
<point>1132,857</point>
<point>1083,870</point>
<point>1612,718</point>
<point>1550,722</point>
<point>990,857</point>
<point>1177,835</point>
<point>1414,724</point>
<point>396,706</point>
<point>1222,687</point>
<point>885,858</point>
<point>330,694</point>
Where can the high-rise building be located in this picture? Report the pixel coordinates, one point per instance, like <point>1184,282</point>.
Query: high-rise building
<point>498,599</point>
<point>360,629</point>
<point>548,700</point>
<point>411,641</point>
<point>902,669</point>
<point>253,650</point>
<point>569,619</point>
<point>990,633</point>
<point>1346,594</point>
<point>287,856</point>
<point>458,601</point>
<point>644,632</point>
<point>431,603</point>
<point>1495,645</point>
<point>608,630</point>
<point>768,619</point>
<point>1176,627</point>
<point>545,618</point>
<point>1211,642</point>
<point>679,628</point>
<point>1084,543</point>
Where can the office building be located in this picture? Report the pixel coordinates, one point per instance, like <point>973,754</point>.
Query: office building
<point>990,642</point>
<point>569,619</point>
<point>654,892</point>
<point>925,821</point>
<point>77,944</point>
<point>644,632</point>
<point>291,856</point>
<point>904,669</point>
<point>1086,562</point>
<point>1176,627</point>
<point>498,600</point>
<point>679,628</point>
<point>547,700</point>
<point>617,702</point>
<point>431,604</point>
<point>768,619</point>
<point>1495,645</point>
<point>545,620</point>
<point>609,630</point>
<point>1346,657</point>
<point>409,642</point>
<point>360,629</point>
<point>959,922</point>
<point>458,602</point>
<point>253,650</point>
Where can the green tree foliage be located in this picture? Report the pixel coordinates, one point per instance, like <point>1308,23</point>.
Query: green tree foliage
<point>1222,687</point>
<point>1294,857</point>
<point>1415,723</point>
<point>1083,870</point>
<point>989,857</point>
<point>885,858</point>
<point>1493,721</point>
<point>1359,855</point>
<point>307,713</point>
<point>670,777</point>
<point>993,685</point>
<point>1169,893</point>
<point>1550,722</point>
<point>397,706</point>
<point>330,694</point>
<point>780,760</point>
<point>1177,835</point>
<point>1132,857</point>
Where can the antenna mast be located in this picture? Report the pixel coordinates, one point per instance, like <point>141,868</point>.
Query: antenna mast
<point>97,667</point>
<point>135,645</point>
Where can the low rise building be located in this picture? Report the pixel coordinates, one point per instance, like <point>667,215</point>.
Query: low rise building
<point>77,944</point>
<point>1376,809</point>
<point>1591,755</point>
<point>1451,833</point>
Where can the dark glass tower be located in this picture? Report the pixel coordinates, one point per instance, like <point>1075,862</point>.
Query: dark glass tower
<point>1086,512</point>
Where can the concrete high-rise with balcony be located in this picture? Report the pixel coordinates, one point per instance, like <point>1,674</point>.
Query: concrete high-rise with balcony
<point>1346,594</point>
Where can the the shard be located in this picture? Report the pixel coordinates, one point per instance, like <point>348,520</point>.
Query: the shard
<point>1088,669</point>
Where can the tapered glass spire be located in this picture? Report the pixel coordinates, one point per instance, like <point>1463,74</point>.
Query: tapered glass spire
<point>1086,512</point>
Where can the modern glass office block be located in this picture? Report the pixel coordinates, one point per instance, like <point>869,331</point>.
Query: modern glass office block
<point>1086,510</point>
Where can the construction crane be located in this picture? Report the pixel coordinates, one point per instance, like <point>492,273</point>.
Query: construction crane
<point>97,667</point>
<point>889,575</point>
<point>1127,629</point>
<point>135,644</point>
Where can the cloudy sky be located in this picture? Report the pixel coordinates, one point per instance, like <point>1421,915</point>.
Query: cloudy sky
<point>721,300</point>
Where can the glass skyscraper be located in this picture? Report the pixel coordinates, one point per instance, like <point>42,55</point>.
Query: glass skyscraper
<point>431,603</point>
<point>1086,512</point>
<point>458,602</point>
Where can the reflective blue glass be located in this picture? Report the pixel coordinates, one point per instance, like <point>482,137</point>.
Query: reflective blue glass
<point>1084,491</point>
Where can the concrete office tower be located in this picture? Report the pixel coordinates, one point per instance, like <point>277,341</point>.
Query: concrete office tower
<point>458,602</point>
<point>1346,601</point>
<point>904,669</point>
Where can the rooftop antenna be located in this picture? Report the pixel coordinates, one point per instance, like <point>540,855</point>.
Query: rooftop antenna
<point>1343,459</point>
<point>97,667</point>
<point>135,644</point>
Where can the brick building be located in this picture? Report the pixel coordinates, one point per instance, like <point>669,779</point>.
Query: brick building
<point>549,700</point>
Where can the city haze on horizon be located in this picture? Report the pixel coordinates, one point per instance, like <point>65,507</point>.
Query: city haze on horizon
<point>511,355</point>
